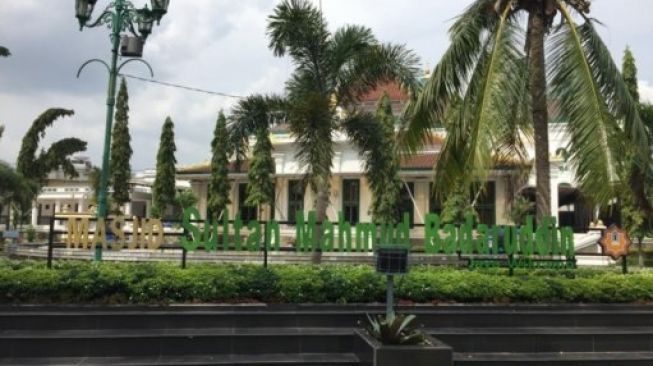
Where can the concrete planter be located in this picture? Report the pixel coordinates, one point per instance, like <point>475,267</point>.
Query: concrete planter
<point>372,353</point>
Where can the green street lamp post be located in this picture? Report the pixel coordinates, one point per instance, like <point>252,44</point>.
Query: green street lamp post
<point>120,16</point>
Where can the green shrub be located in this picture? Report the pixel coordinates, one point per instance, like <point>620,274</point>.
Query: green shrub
<point>30,281</point>
<point>30,232</point>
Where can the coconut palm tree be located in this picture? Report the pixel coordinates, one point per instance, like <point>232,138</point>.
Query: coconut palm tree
<point>332,71</point>
<point>506,59</point>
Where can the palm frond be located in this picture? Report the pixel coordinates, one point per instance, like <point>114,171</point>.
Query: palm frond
<point>298,29</point>
<point>619,100</point>
<point>30,143</point>
<point>248,116</point>
<point>377,64</point>
<point>59,153</point>
<point>581,103</point>
<point>484,124</point>
<point>347,42</point>
<point>311,122</point>
<point>518,130</point>
<point>450,76</point>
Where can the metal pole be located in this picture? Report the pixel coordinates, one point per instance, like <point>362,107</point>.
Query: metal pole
<point>265,244</point>
<point>50,240</point>
<point>624,264</point>
<point>116,26</point>
<point>389,297</point>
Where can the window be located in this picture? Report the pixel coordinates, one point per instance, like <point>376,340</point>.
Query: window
<point>435,203</point>
<point>406,202</point>
<point>295,199</point>
<point>247,213</point>
<point>351,200</point>
<point>485,204</point>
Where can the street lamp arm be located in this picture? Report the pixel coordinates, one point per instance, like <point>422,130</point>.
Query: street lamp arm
<point>137,59</point>
<point>81,68</point>
<point>105,18</point>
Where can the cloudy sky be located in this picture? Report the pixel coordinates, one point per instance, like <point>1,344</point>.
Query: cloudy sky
<point>218,45</point>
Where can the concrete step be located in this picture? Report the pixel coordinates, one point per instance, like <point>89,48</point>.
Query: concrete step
<point>555,359</point>
<point>173,342</point>
<point>546,339</point>
<point>260,315</point>
<point>312,359</point>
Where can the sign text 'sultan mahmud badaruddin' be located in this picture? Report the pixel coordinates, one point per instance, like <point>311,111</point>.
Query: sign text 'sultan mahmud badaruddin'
<point>340,236</point>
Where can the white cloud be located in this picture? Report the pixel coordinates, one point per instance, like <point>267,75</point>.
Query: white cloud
<point>645,91</point>
<point>218,45</point>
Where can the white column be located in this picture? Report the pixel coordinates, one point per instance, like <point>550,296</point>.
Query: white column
<point>35,213</point>
<point>148,208</point>
<point>57,209</point>
<point>128,209</point>
<point>554,194</point>
<point>199,189</point>
<point>80,206</point>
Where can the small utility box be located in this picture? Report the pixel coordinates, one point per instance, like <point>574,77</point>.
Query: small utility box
<point>131,46</point>
<point>391,260</point>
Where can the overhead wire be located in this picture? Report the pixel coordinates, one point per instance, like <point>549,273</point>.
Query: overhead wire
<point>189,88</point>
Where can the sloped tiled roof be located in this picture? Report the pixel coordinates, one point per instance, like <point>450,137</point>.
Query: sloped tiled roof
<point>419,161</point>
<point>393,90</point>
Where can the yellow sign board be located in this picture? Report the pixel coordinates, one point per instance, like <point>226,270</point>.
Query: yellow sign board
<point>146,233</point>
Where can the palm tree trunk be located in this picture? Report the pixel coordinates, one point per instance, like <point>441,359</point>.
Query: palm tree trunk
<point>321,205</point>
<point>537,85</point>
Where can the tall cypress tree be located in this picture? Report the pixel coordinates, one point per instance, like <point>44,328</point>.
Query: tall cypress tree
<point>383,167</point>
<point>121,151</point>
<point>629,72</point>
<point>260,189</point>
<point>218,197</point>
<point>636,201</point>
<point>163,191</point>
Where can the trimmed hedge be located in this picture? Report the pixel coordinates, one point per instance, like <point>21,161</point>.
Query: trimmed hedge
<point>144,283</point>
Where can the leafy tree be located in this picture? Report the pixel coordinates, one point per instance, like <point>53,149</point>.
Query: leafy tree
<point>635,196</point>
<point>16,191</point>
<point>4,52</point>
<point>519,209</point>
<point>186,198</point>
<point>94,177</point>
<point>457,206</point>
<point>332,71</point>
<point>629,73</point>
<point>2,130</point>
<point>36,168</point>
<point>504,79</point>
<point>219,186</point>
<point>121,151</point>
<point>163,191</point>
<point>377,138</point>
<point>253,116</point>
<point>260,188</point>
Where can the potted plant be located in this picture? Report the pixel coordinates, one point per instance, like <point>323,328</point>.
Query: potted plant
<point>390,341</point>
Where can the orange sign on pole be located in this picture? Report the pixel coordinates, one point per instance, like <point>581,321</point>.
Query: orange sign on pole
<point>615,242</point>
